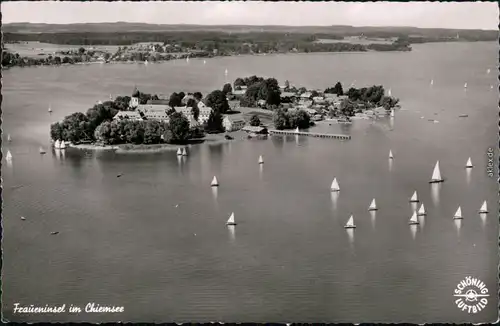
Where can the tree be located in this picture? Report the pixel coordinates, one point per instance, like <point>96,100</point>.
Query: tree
<point>303,120</point>
<point>175,100</point>
<point>198,96</point>
<point>270,91</point>
<point>347,108</point>
<point>178,127</point>
<point>217,101</point>
<point>152,132</point>
<point>337,89</point>
<point>227,89</point>
<point>56,131</point>
<point>280,119</point>
<point>239,82</point>
<point>214,122</point>
<point>254,120</point>
<point>81,50</point>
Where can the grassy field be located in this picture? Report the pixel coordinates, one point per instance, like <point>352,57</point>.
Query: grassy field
<point>37,49</point>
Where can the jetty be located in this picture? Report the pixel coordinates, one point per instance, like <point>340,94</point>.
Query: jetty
<point>311,134</point>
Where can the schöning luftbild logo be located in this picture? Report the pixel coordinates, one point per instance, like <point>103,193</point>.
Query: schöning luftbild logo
<point>471,294</point>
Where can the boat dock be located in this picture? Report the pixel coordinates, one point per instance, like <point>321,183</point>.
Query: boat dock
<point>311,134</point>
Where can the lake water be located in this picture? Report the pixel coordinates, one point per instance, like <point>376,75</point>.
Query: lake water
<point>155,240</point>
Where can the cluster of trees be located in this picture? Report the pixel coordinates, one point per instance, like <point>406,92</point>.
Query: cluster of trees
<point>284,119</point>
<point>258,89</point>
<point>337,89</point>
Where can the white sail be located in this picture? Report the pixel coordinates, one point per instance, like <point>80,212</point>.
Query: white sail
<point>8,138</point>
<point>432,82</point>
<point>226,72</point>
<point>8,156</point>
<point>436,174</point>
<point>261,160</point>
<point>187,59</point>
<point>484,208</point>
<point>488,71</point>
<point>214,183</point>
<point>179,151</point>
<point>204,61</point>
<point>389,92</point>
<point>184,153</point>
<point>469,163</point>
<point>63,145</point>
<point>421,211</point>
<point>414,219</point>
<point>373,205</point>
<point>393,114</point>
<point>145,62</point>
<point>465,85</point>
<point>297,130</point>
<point>390,154</point>
<point>350,223</point>
<point>414,198</point>
<point>458,213</point>
<point>230,221</point>
<point>335,185</point>
<point>57,144</point>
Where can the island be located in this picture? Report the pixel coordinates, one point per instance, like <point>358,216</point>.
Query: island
<point>146,122</point>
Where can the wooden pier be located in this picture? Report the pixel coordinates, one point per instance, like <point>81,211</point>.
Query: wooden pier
<point>311,134</point>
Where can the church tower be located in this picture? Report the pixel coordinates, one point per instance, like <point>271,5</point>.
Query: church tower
<point>134,100</point>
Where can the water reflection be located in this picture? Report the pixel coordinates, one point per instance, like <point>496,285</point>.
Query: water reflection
<point>390,165</point>
<point>458,225</point>
<point>413,206</point>
<point>435,190</point>
<point>9,163</point>
<point>297,139</point>
<point>421,220</point>
<point>413,230</point>
<point>350,235</point>
<point>373,217</point>
<point>261,171</point>
<point>215,193</point>
<point>232,232</point>
<point>468,173</point>
<point>483,218</point>
<point>391,123</point>
<point>334,195</point>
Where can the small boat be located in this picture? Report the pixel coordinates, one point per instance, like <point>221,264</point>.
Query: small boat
<point>226,72</point>
<point>432,82</point>
<point>119,175</point>
<point>50,109</point>
<point>187,59</point>
<point>350,223</point>
<point>373,206</point>
<point>414,198</point>
<point>393,114</point>
<point>8,138</point>
<point>8,156</point>
<point>146,62</point>
<point>179,151</point>
<point>491,87</point>
<point>228,137</point>
<point>63,145</point>
<point>335,185</point>
<point>469,163</point>
<point>23,218</point>
<point>390,155</point>
<point>54,232</point>
<point>41,150</point>
<point>488,71</point>
<point>184,152</point>
<point>458,214</point>
<point>463,116</point>
<point>261,160</point>
<point>214,183</point>
<point>389,93</point>
<point>414,219</point>
<point>57,144</point>
<point>297,130</point>
<point>465,85</point>
<point>484,208</point>
<point>231,221</point>
<point>204,61</point>
<point>436,174</point>
<point>421,211</point>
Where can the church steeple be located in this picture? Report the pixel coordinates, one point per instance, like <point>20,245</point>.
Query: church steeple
<point>134,100</point>
<point>135,93</point>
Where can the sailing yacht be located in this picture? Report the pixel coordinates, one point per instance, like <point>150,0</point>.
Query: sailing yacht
<point>231,221</point>
<point>414,198</point>
<point>335,185</point>
<point>63,145</point>
<point>414,219</point>
<point>57,144</point>
<point>214,183</point>
<point>297,130</point>
<point>179,151</point>
<point>390,155</point>
<point>432,82</point>
<point>184,152</point>
<point>436,174</point>
<point>421,211</point>
<point>484,208</point>
<point>50,109</point>
<point>350,223</point>
<point>8,138</point>
<point>261,160</point>
<point>146,62</point>
<point>488,71</point>
<point>225,72</point>
<point>469,163</point>
<point>458,214</point>
<point>465,85</point>
<point>204,61</point>
<point>389,93</point>
<point>8,156</point>
<point>373,206</point>
<point>393,114</point>
<point>42,151</point>
<point>187,59</point>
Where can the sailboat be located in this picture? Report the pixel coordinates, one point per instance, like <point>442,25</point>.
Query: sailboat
<point>458,214</point>
<point>483,209</point>
<point>414,198</point>
<point>261,160</point>
<point>204,61</point>
<point>231,221</point>
<point>390,155</point>
<point>335,185</point>
<point>297,130</point>
<point>414,219</point>
<point>63,145</point>
<point>350,223</point>
<point>184,152</point>
<point>146,62</point>
<point>465,85</point>
<point>214,183</point>
<point>389,92</point>
<point>57,144</point>
<point>8,156</point>
<point>469,163</point>
<point>110,97</point>
<point>373,206</point>
<point>50,109</point>
<point>393,114</point>
<point>436,174</point>
<point>225,72</point>
<point>187,59</point>
<point>432,82</point>
<point>421,211</point>
<point>42,151</point>
<point>488,71</point>
<point>8,138</point>
<point>179,151</point>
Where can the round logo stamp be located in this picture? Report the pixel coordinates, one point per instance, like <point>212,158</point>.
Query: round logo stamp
<point>471,294</point>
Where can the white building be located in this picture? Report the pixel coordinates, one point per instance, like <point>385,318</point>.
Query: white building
<point>132,115</point>
<point>233,123</point>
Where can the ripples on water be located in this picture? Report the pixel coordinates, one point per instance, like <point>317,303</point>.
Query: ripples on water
<point>130,240</point>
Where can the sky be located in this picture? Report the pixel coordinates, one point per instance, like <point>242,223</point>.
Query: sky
<point>463,15</point>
